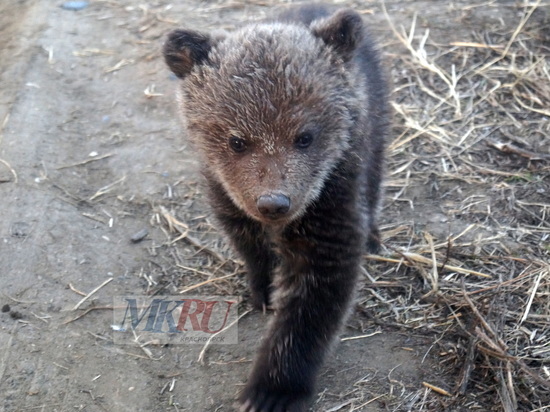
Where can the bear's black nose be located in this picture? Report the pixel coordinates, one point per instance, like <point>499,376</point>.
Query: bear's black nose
<point>273,205</point>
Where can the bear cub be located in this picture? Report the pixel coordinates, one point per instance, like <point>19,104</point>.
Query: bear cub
<point>289,117</point>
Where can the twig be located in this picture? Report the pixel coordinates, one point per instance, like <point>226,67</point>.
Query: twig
<point>511,148</point>
<point>143,347</point>
<point>531,297</point>
<point>413,257</point>
<point>467,367</point>
<point>10,169</point>
<point>84,162</point>
<point>106,189</point>
<point>203,351</point>
<point>436,389</point>
<point>86,312</point>
<point>176,225</point>
<point>198,285</point>
<point>91,293</point>
<point>76,290</point>
<point>28,302</point>
<point>500,347</point>
<point>378,332</point>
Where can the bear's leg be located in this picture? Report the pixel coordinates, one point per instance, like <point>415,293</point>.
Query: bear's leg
<point>372,199</point>
<point>312,295</point>
<point>252,243</point>
<point>250,240</point>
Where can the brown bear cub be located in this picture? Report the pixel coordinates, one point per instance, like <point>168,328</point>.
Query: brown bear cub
<point>289,116</point>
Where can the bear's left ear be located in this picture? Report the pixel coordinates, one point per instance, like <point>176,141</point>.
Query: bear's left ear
<point>343,31</point>
<point>184,49</point>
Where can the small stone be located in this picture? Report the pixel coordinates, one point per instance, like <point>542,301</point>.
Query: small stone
<point>6,308</point>
<point>75,5</point>
<point>139,236</point>
<point>5,176</point>
<point>16,315</point>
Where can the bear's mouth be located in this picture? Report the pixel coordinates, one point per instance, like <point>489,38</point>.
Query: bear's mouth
<point>276,220</point>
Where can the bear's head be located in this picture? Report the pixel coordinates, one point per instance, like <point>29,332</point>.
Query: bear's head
<point>270,107</point>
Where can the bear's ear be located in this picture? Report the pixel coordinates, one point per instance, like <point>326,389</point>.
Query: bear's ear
<point>343,31</point>
<point>184,49</point>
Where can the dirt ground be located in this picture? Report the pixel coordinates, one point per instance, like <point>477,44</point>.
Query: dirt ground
<point>91,153</point>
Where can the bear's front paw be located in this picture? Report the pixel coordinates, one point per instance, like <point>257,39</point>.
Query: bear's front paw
<point>263,400</point>
<point>261,297</point>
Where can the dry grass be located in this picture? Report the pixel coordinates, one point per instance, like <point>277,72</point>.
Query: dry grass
<point>467,259</point>
<point>473,127</point>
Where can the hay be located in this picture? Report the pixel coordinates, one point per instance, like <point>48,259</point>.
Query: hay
<point>473,127</point>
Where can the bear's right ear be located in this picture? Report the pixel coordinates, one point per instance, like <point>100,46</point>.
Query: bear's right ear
<point>184,49</point>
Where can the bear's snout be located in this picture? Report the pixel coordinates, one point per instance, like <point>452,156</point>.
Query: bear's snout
<point>273,205</point>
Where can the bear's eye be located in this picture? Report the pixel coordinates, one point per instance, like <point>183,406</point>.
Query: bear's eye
<point>237,144</point>
<point>303,140</point>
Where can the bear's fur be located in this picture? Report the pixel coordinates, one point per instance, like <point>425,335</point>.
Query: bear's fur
<point>290,117</point>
